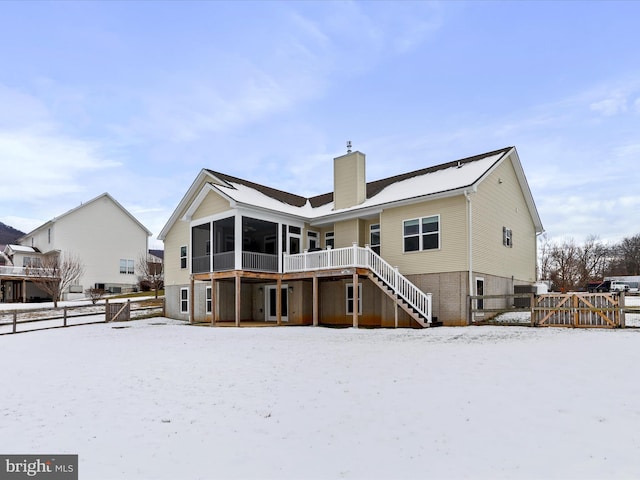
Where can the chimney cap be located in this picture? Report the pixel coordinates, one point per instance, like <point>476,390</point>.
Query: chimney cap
<point>348,146</point>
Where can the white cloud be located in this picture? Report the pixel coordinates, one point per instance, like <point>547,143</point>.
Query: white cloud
<point>41,164</point>
<point>613,105</point>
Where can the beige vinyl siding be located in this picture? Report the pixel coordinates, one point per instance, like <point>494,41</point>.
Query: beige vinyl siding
<point>347,232</point>
<point>450,257</point>
<point>211,205</point>
<point>500,203</point>
<point>177,237</point>
<point>349,180</point>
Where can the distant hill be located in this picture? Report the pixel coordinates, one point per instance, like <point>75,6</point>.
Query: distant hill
<point>9,234</point>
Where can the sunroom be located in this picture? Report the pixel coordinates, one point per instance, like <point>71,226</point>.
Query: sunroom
<point>216,245</point>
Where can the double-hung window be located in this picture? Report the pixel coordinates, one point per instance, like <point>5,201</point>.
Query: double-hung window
<point>374,237</point>
<point>184,300</point>
<point>328,240</point>
<point>183,256</point>
<point>422,233</point>
<point>507,237</point>
<point>208,300</point>
<point>349,296</point>
<point>126,266</point>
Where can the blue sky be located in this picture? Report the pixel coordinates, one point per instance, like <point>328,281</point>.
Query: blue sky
<point>135,98</point>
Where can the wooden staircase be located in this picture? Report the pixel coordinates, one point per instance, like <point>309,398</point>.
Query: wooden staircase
<point>404,305</point>
<point>399,288</point>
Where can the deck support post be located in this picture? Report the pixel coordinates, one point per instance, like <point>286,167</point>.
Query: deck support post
<point>315,300</point>
<point>238,299</point>
<point>279,300</point>
<point>192,289</point>
<point>356,300</point>
<point>395,311</point>
<point>214,300</point>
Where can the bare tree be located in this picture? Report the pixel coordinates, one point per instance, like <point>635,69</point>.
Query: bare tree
<point>544,258</point>
<point>593,260</point>
<point>564,265</point>
<point>629,255</point>
<point>151,272</point>
<point>571,266</point>
<point>56,273</point>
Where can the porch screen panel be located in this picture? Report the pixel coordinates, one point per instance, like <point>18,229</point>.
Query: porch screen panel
<point>223,244</point>
<point>201,247</point>
<point>259,244</point>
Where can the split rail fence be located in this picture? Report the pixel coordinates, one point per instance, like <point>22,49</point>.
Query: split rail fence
<point>27,320</point>
<point>582,310</point>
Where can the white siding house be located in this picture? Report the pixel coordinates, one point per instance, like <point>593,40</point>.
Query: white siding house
<point>103,235</point>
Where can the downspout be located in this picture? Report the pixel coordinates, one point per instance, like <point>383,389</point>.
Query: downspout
<point>470,241</point>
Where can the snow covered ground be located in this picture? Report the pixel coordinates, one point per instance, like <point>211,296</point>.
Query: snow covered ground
<point>159,399</point>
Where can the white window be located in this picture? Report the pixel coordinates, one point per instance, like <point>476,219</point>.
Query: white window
<point>422,233</point>
<point>507,237</point>
<point>312,240</point>
<point>328,240</point>
<point>349,296</point>
<point>374,237</point>
<point>208,296</point>
<point>184,300</point>
<point>127,266</point>
<point>183,256</point>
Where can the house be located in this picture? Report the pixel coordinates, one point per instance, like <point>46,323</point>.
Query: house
<point>107,240</point>
<point>407,250</point>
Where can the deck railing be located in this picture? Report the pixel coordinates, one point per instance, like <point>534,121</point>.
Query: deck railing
<point>10,270</point>
<point>360,257</point>
<point>261,262</point>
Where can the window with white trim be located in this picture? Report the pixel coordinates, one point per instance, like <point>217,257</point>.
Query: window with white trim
<point>184,300</point>
<point>312,240</point>
<point>126,266</point>
<point>328,240</point>
<point>349,296</point>
<point>374,237</point>
<point>208,300</point>
<point>421,233</point>
<point>507,237</point>
<point>183,256</point>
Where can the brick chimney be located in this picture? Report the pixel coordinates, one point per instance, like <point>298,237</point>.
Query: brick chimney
<point>349,181</point>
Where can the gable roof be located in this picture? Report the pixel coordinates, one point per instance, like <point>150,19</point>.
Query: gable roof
<point>82,205</point>
<point>447,179</point>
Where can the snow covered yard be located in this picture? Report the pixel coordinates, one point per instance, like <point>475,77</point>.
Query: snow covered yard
<point>162,400</point>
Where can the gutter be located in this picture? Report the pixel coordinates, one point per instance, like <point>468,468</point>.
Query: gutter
<point>467,195</point>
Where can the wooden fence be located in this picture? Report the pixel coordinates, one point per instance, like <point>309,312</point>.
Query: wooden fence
<point>27,320</point>
<point>579,309</point>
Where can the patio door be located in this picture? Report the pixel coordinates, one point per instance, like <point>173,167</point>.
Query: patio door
<point>270,303</point>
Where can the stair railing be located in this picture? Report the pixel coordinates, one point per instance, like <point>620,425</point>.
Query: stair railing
<point>360,257</point>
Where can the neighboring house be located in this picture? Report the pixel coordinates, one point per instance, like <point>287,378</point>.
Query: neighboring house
<point>156,256</point>
<point>417,245</point>
<point>101,233</point>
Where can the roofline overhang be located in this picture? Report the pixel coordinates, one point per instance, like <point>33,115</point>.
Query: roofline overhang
<point>373,209</point>
<point>526,190</point>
